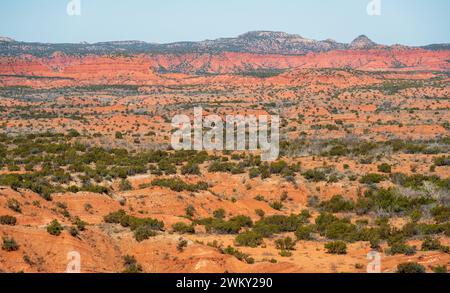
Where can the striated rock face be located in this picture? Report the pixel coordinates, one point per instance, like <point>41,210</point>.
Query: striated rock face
<point>252,54</point>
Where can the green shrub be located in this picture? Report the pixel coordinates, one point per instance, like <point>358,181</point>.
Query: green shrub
<point>125,185</point>
<point>130,265</point>
<point>238,254</point>
<point>285,244</point>
<point>183,228</point>
<point>8,220</point>
<point>336,247</point>
<point>190,211</point>
<point>441,214</point>
<point>385,168</point>
<point>440,269</point>
<point>143,232</point>
<point>431,244</point>
<point>249,238</point>
<point>219,214</point>
<point>14,205</point>
<point>190,168</point>
<point>253,173</point>
<point>55,228</point>
<point>315,175</point>
<point>337,204</point>
<point>9,244</point>
<point>442,161</point>
<point>260,213</point>
<point>304,232</point>
<point>179,185</point>
<point>372,178</point>
<point>410,268</point>
<point>73,231</point>
<point>79,224</point>
<point>276,205</point>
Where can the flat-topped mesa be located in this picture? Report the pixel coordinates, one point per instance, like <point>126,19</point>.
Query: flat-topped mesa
<point>362,42</point>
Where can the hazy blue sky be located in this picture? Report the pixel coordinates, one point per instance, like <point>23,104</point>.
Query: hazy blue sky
<point>410,22</point>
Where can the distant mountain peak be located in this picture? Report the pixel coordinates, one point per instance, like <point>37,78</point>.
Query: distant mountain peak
<point>6,40</point>
<point>362,42</point>
<point>268,35</point>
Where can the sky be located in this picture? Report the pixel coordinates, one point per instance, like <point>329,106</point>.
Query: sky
<point>408,22</point>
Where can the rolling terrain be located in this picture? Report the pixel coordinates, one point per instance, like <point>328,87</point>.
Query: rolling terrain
<point>86,163</point>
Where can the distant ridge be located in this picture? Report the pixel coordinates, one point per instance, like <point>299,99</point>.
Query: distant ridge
<point>256,42</point>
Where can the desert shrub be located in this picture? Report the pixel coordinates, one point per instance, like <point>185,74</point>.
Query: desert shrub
<point>410,268</point>
<point>385,168</point>
<point>336,247</point>
<point>120,217</point>
<point>9,244</point>
<point>442,161</point>
<point>276,205</point>
<point>238,254</point>
<point>285,244</point>
<point>14,205</point>
<point>432,244</point>
<point>130,265</point>
<point>73,231</point>
<point>114,217</point>
<point>315,175</point>
<point>179,185</point>
<point>8,220</point>
<point>440,269</point>
<point>390,201</point>
<point>282,223</point>
<point>260,198</point>
<point>338,150</point>
<point>253,173</point>
<point>118,135</point>
<point>401,248</point>
<point>337,204</point>
<point>183,228</point>
<point>79,224</point>
<point>278,167</point>
<point>243,221</point>
<point>416,181</point>
<point>190,211</point>
<point>182,244</point>
<point>220,226</point>
<point>190,168</point>
<point>304,232</point>
<point>249,238</point>
<point>55,228</point>
<point>143,232</point>
<point>219,214</point>
<point>260,213</point>
<point>441,213</point>
<point>372,178</point>
<point>125,185</point>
